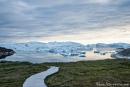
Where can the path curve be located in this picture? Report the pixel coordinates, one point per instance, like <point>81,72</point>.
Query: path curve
<point>37,80</point>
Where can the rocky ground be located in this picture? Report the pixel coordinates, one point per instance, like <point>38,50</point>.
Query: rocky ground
<point>125,52</point>
<point>4,52</point>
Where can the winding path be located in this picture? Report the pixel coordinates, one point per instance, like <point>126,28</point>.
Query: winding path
<point>37,80</point>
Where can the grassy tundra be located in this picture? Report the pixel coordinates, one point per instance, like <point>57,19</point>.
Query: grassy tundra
<point>100,73</point>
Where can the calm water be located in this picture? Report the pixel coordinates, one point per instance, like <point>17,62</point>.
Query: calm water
<point>40,58</point>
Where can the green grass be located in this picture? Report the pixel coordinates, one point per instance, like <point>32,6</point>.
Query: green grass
<point>72,74</point>
<point>88,73</point>
<point>13,74</point>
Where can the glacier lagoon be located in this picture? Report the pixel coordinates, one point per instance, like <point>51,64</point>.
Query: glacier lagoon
<point>49,57</point>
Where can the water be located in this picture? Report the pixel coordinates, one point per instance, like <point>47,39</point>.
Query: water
<point>40,58</point>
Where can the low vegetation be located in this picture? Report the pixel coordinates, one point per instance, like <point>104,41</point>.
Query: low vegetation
<point>91,74</point>
<point>13,74</point>
<point>107,72</point>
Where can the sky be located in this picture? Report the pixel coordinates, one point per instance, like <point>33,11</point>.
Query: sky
<point>84,21</point>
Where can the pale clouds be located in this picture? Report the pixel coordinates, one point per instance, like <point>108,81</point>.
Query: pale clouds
<point>27,20</point>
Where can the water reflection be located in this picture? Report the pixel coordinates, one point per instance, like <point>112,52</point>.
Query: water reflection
<point>40,58</point>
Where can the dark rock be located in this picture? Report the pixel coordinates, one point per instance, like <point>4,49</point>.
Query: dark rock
<point>125,52</point>
<point>4,52</point>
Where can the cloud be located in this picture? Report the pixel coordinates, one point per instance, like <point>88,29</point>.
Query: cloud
<point>47,19</point>
<point>99,1</point>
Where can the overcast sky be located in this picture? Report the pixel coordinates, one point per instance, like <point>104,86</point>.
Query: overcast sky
<point>65,20</point>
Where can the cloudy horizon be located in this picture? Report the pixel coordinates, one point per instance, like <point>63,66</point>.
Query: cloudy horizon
<point>65,20</point>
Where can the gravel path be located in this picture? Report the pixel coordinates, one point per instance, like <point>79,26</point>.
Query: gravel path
<point>37,80</point>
